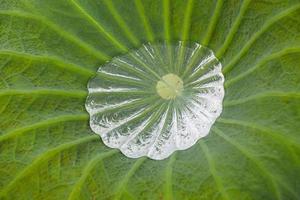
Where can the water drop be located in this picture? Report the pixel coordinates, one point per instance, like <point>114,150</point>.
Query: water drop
<point>157,99</point>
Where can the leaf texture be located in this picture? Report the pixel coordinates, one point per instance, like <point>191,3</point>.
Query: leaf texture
<point>49,49</point>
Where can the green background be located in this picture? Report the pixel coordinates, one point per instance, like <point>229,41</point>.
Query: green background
<point>49,49</point>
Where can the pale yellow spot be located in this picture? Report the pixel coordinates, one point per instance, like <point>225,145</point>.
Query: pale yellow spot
<point>169,87</point>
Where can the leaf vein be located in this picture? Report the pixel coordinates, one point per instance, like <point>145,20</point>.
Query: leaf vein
<point>42,158</point>
<point>212,169</point>
<point>41,124</point>
<point>99,27</point>
<point>256,35</point>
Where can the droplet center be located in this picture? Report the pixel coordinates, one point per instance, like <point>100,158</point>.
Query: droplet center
<point>170,86</point>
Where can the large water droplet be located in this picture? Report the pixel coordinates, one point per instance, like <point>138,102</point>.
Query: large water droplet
<point>157,99</point>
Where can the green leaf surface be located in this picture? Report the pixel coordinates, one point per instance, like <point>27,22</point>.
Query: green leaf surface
<point>49,49</point>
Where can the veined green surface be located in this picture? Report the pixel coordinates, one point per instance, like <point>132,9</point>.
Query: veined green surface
<point>51,48</point>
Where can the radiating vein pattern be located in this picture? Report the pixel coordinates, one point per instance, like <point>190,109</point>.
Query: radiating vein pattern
<point>150,101</point>
<point>157,99</point>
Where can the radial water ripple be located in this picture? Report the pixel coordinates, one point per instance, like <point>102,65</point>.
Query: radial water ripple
<point>157,99</point>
